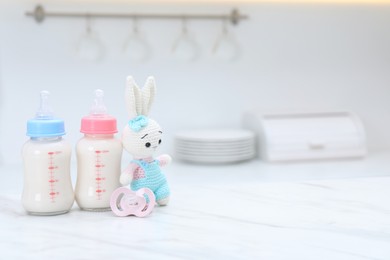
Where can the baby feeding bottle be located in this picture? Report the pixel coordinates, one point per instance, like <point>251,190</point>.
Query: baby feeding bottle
<point>99,156</point>
<point>47,185</point>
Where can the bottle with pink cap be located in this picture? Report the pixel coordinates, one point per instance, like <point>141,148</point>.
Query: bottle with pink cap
<point>99,156</point>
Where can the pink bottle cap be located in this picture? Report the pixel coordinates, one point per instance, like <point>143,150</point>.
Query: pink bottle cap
<point>98,121</point>
<point>98,125</point>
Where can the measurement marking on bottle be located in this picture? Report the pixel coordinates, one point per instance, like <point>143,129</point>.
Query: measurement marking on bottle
<point>99,172</point>
<point>52,170</point>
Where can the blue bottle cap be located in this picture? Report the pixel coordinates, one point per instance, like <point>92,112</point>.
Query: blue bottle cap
<point>45,127</point>
<point>44,124</point>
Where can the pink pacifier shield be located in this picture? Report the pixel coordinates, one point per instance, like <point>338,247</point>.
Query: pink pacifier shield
<point>125,202</point>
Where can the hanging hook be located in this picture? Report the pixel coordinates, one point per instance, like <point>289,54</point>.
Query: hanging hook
<point>184,32</point>
<point>88,23</point>
<point>225,32</point>
<point>184,28</point>
<point>135,24</point>
<point>225,26</point>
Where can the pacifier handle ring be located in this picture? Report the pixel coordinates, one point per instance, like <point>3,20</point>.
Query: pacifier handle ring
<point>114,201</point>
<point>150,205</point>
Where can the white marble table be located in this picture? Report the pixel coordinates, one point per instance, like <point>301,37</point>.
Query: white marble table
<point>325,210</point>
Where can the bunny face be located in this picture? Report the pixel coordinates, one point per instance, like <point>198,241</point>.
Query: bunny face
<point>144,143</point>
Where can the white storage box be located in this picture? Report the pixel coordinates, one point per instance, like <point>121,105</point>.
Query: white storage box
<point>286,137</point>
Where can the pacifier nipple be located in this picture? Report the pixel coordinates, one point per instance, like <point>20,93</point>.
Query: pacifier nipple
<point>44,124</point>
<point>98,108</point>
<point>44,111</point>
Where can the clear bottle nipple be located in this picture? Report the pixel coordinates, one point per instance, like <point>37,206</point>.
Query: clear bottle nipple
<point>44,111</point>
<point>98,108</point>
<point>44,124</point>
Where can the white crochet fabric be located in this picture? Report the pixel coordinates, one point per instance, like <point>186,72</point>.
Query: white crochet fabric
<point>139,102</point>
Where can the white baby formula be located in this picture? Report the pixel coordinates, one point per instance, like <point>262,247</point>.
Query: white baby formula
<point>98,171</point>
<point>47,184</point>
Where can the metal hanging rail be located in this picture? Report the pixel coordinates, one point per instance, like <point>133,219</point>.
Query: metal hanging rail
<point>40,14</point>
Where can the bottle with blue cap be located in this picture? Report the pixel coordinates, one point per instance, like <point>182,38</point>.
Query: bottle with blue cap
<point>47,186</point>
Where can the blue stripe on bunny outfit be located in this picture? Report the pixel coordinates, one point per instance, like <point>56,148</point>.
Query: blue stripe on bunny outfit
<point>154,179</point>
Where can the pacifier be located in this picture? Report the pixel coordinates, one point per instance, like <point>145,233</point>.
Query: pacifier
<point>126,202</point>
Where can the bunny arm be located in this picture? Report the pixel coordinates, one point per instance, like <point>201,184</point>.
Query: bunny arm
<point>164,159</point>
<point>129,173</point>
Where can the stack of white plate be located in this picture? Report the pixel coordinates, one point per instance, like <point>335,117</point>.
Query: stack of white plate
<point>215,146</point>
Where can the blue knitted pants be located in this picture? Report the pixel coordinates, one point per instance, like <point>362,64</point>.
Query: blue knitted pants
<point>154,179</point>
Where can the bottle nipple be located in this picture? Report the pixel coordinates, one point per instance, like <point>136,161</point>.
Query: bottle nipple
<point>98,107</point>
<point>45,124</point>
<point>44,111</point>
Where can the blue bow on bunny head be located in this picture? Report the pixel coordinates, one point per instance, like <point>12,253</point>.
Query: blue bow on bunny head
<point>138,123</point>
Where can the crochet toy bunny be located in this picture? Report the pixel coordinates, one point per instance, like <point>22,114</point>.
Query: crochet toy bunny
<point>141,138</point>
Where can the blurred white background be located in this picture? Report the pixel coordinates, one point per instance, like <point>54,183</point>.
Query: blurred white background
<point>294,57</point>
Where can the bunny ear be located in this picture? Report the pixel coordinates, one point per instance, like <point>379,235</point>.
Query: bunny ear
<point>133,98</point>
<point>148,94</point>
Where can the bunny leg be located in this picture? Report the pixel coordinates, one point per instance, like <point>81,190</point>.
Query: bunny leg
<point>162,194</point>
<point>163,202</point>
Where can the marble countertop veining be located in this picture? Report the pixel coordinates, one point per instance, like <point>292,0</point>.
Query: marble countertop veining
<point>323,210</point>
